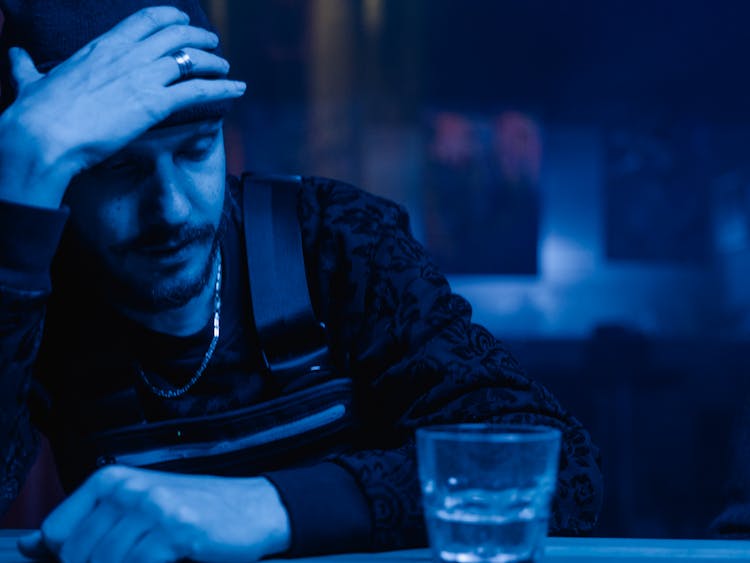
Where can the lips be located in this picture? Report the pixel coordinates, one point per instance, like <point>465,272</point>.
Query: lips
<point>166,250</point>
<point>164,243</point>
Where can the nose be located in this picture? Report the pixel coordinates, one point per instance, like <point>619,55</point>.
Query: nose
<point>166,199</point>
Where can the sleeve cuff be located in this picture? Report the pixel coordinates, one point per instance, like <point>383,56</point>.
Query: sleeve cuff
<point>29,237</point>
<point>327,510</point>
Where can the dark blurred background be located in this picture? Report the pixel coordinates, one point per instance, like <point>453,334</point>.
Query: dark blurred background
<point>580,170</point>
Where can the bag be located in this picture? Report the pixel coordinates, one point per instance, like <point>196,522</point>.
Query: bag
<point>292,340</point>
<point>262,437</point>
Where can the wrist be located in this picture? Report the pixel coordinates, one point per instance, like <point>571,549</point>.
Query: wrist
<point>279,533</point>
<point>32,172</point>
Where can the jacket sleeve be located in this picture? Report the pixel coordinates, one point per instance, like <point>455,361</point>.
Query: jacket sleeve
<point>28,240</point>
<point>417,359</point>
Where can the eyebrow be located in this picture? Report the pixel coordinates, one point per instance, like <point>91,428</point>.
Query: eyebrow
<point>201,134</point>
<point>208,131</point>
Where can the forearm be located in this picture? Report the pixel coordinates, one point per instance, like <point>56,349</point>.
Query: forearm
<point>20,330</point>
<point>369,498</point>
<point>456,380</point>
<point>463,374</point>
<point>453,370</point>
<point>28,239</point>
<point>327,509</point>
<point>261,496</point>
<point>419,360</point>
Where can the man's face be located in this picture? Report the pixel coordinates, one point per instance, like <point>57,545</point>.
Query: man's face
<point>149,215</point>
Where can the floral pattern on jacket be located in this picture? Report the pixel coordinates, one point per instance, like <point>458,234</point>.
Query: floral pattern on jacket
<point>413,347</point>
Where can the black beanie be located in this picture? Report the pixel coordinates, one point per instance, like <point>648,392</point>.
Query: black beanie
<point>52,30</point>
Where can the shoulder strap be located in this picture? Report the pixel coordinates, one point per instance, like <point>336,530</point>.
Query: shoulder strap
<point>291,337</point>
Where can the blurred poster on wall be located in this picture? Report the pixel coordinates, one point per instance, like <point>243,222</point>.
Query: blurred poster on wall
<point>481,197</point>
<point>657,193</point>
<point>731,190</point>
<point>731,195</point>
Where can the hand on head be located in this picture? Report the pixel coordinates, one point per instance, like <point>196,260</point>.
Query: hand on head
<point>105,95</point>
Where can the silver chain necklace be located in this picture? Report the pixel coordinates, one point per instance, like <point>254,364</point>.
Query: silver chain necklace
<point>178,391</point>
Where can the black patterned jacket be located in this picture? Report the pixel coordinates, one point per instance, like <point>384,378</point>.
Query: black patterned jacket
<point>406,343</point>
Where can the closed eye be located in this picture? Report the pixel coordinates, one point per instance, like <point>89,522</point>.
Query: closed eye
<point>125,167</point>
<point>199,148</point>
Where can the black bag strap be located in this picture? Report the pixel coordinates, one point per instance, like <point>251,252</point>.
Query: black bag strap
<point>291,337</point>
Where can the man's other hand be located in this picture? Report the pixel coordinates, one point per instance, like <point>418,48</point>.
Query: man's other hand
<point>124,514</point>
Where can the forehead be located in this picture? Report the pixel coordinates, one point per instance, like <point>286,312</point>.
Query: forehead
<point>172,138</point>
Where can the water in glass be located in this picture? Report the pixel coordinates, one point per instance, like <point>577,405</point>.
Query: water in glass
<point>479,526</point>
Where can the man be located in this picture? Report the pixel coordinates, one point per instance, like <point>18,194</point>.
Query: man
<point>140,347</point>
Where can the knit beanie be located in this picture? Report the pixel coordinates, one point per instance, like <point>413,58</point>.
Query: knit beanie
<point>52,30</point>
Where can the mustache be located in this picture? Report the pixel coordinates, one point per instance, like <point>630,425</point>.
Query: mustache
<point>166,236</point>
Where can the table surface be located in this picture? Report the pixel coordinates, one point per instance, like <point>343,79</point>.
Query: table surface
<point>557,550</point>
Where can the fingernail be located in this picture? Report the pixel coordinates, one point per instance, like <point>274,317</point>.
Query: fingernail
<point>241,86</point>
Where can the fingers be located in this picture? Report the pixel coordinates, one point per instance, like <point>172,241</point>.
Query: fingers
<point>161,102</point>
<point>145,22</point>
<point>23,68</point>
<point>152,548</point>
<point>79,545</point>
<point>165,71</point>
<point>68,515</point>
<point>102,62</point>
<point>106,61</point>
<point>114,546</point>
<point>198,90</point>
<point>119,40</point>
<point>172,38</point>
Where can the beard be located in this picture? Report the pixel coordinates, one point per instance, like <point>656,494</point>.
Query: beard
<point>144,290</point>
<point>162,293</point>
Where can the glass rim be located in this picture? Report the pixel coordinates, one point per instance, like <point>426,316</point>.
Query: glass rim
<point>490,432</point>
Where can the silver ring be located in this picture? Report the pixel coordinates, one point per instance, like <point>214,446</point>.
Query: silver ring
<point>184,63</point>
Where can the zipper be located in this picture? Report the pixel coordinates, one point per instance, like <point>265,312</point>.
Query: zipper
<point>277,433</point>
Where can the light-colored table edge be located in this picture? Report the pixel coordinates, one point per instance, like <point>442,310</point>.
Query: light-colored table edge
<point>563,549</point>
<point>584,549</point>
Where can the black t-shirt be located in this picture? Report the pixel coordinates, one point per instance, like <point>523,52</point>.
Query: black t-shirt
<point>104,359</point>
<point>232,379</point>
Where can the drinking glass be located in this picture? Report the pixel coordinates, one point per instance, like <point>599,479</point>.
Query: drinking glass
<point>487,490</point>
